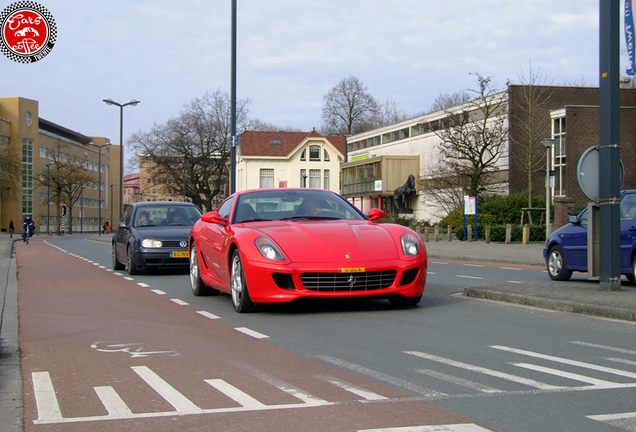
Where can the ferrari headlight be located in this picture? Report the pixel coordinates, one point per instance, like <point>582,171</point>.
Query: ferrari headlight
<point>268,249</point>
<point>149,243</point>
<point>410,245</point>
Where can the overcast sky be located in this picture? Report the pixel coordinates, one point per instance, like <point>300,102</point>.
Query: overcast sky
<point>290,53</point>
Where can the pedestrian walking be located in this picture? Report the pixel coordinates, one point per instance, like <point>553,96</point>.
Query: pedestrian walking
<point>11,228</point>
<point>105,231</point>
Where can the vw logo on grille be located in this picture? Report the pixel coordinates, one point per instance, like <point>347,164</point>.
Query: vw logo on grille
<point>183,243</point>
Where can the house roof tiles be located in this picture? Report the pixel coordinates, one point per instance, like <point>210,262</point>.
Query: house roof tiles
<point>257,143</point>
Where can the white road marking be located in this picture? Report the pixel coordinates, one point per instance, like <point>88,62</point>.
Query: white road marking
<point>307,398</point>
<point>383,377</point>
<point>117,273</point>
<point>568,375</point>
<point>610,417</point>
<point>235,394</point>
<point>208,315</point>
<point>179,302</point>
<point>141,284</point>
<point>358,391</point>
<point>437,262</point>
<point>510,268</point>
<point>605,347</point>
<point>469,277</point>
<point>96,264</point>
<point>463,427</point>
<point>110,270</point>
<point>252,333</point>
<point>567,361</point>
<point>165,390</point>
<point>113,403</point>
<point>431,273</point>
<point>620,360</point>
<point>473,265</point>
<point>459,381</point>
<point>515,282</point>
<point>128,278</point>
<point>158,291</point>
<point>485,371</point>
<point>102,267</point>
<point>45,399</point>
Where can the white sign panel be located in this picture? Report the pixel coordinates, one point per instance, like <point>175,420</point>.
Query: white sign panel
<point>470,205</point>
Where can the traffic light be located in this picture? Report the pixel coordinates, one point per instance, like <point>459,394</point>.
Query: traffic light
<point>63,209</point>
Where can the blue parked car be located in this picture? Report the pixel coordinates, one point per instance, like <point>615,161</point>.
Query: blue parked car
<point>566,248</point>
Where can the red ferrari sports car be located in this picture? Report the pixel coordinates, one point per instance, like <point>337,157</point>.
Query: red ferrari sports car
<point>280,245</point>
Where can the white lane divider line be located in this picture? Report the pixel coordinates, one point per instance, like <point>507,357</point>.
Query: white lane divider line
<point>473,265</point>
<point>431,273</point>
<point>252,333</point>
<point>45,399</point>
<point>158,291</point>
<point>113,403</point>
<point>437,262</point>
<point>515,282</point>
<point>620,360</point>
<point>351,388</point>
<point>179,302</point>
<point>605,347</point>
<point>510,268</point>
<point>128,278</point>
<point>102,267</point>
<point>117,273</point>
<point>576,377</point>
<point>166,391</point>
<point>460,427</point>
<point>141,284</point>
<point>567,361</point>
<point>469,277</point>
<point>235,394</point>
<point>613,417</point>
<point>208,315</point>
<point>379,376</point>
<point>485,371</point>
<point>459,381</point>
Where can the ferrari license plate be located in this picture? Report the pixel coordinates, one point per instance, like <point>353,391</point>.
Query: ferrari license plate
<point>179,254</point>
<point>352,270</point>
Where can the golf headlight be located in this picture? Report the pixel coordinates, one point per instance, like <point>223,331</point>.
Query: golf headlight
<point>410,245</point>
<point>268,250</point>
<point>149,243</point>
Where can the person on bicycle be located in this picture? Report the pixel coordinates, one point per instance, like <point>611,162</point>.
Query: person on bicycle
<point>28,226</point>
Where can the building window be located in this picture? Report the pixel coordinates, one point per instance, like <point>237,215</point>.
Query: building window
<point>303,155</point>
<point>559,155</point>
<point>325,156</point>
<point>314,179</point>
<point>27,118</point>
<point>326,178</point>
<point>314,153</point>
<point>27,177</point>
<point>267,178</point>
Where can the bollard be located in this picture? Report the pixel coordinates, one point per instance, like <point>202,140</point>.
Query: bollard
<point>526,234</point>
<point>487,240</point>
<point>469,232</point>
<point>436,233</point>
<point>508,233</point>
<point>426,232</point>
<point>450,233</point>
<point>417,228</point>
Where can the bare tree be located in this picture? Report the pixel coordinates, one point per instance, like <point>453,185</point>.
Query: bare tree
<point>348,108</point>
<point>472,141</point>
<point>196,143</point>
<point>387,113</point>
<point>528,110</point>
<point>445,101</point>
<point>68,178</point>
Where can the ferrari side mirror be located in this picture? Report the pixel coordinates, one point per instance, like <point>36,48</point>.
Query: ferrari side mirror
<point>375,214</point>
<point>214,217</point>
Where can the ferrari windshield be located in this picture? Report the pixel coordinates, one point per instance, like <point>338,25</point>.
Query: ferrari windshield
<point>285,204</point>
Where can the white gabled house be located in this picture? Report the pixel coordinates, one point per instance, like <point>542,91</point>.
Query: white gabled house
<point>289,159</point>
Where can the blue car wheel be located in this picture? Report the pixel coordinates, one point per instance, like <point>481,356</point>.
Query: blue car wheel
<point>557,266</point>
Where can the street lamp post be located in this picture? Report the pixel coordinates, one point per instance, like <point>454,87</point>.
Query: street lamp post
<point>111,206</point>
<point>121,150</point>
<point>99,184</point>
<point>547,143</point>
<point>48,199</point>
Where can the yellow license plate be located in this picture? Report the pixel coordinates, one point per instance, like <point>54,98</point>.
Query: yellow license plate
<point>179,254</point>
<point>352,270</point>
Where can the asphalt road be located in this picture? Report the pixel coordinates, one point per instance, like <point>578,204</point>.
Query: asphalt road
<point>512,368</point>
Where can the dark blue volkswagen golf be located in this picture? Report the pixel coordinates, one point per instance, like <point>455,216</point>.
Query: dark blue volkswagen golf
<point>566,248</point>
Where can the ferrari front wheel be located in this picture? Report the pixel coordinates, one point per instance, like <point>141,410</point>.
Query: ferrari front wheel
<point>240,296</point>
<point>197,285</point>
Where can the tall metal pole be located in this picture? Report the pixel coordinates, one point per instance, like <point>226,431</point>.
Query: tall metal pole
<point>547,192</point>
<point>121,163</point>
<point>233,103</point>
<point>609,146</point>
<point>48,199</point>
<point>99,190</point>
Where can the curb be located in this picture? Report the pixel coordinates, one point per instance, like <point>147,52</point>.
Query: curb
<point>553,304</point>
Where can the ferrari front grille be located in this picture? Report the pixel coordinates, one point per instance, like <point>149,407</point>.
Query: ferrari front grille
<point>333,282</point>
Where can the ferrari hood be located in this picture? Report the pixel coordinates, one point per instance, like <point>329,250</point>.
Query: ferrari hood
<point>332,241</point>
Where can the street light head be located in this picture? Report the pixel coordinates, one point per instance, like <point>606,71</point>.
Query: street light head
<point>548,142</point>
<point>109,101</point>
<point>132,102</point>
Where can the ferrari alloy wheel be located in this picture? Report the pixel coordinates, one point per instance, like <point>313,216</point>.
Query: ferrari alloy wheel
<point>557,266</point>
<point>130,262</point>
<point>116,264</point>
<point>197,285</point>
<point>240,297</point>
